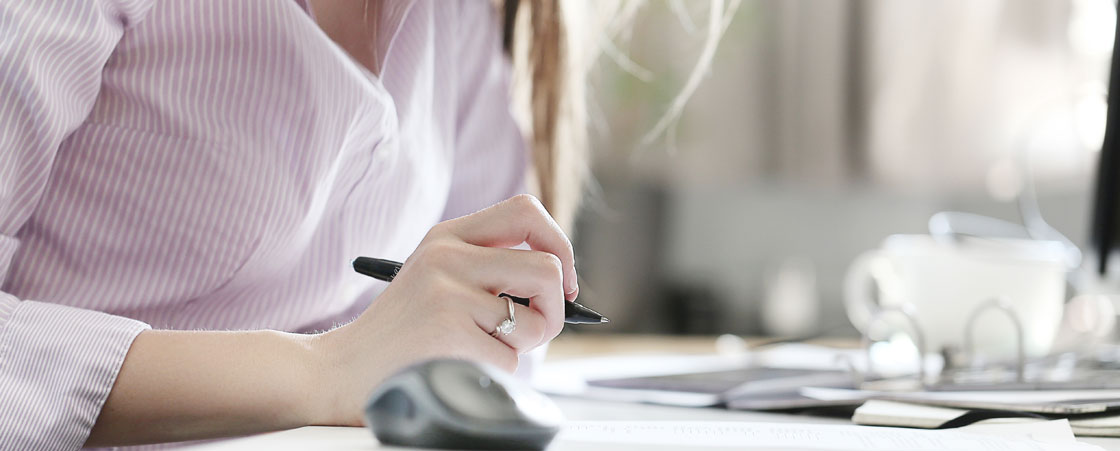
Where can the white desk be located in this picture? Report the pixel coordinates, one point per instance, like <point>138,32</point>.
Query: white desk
<point>326,438</point>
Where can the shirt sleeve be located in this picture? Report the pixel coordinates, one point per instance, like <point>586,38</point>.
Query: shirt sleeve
<point>57,364</point>
<point>490,151</point>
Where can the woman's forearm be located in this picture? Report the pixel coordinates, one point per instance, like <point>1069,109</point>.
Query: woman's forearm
<point>181,385</point>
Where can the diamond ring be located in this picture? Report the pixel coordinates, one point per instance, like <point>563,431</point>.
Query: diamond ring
<point>508,326</point>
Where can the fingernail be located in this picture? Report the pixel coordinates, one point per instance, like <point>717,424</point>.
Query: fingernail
<point>573,286</point>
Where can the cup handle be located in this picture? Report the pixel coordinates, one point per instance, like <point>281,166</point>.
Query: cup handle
<point>863,280</point>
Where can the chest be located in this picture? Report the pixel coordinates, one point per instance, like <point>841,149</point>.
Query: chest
<point>228,132</point>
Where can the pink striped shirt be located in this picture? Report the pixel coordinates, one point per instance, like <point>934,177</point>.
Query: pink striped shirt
<point>216,164</point>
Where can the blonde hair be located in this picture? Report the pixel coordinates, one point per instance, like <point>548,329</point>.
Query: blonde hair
<point>553,45</point>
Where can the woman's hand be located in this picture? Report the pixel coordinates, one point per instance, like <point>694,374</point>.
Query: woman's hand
<point>444,303</point>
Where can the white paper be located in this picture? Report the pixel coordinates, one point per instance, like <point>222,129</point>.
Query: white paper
<point>1051,435</point>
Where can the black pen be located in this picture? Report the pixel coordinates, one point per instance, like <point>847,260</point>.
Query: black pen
<point>386,270</point>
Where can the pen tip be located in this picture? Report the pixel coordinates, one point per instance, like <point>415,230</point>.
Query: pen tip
<point>604,320</point>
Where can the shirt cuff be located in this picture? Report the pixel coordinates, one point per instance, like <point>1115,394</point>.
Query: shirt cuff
<point>57,366</point>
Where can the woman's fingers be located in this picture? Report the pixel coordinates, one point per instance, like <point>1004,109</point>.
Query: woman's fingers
<point>528,332</point>
<point>534,275</point>
<point>520,219</point>
<point>494,352</point>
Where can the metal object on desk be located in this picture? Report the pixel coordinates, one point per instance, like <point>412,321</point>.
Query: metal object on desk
<point>999,305</point>
<point>919,339</point>
<point>964,370</point>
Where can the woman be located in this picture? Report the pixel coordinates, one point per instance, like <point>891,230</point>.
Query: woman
<point>179,181</point>
<point>213,166</point>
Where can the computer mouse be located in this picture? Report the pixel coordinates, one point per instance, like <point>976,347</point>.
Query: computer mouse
<point>457,404</point>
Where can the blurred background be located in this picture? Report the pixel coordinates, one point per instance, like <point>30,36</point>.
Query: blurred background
<point>823,127</point>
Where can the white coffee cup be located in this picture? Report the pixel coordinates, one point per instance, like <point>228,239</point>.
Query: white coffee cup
<point>943,283</point>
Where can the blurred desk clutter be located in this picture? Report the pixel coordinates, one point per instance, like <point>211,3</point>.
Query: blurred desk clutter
<point>701,366</point>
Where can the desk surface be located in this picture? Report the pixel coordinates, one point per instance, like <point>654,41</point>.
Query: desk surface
<point>575,409</point>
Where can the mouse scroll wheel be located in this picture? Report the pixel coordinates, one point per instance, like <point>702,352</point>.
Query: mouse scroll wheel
<point>488,385</point>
